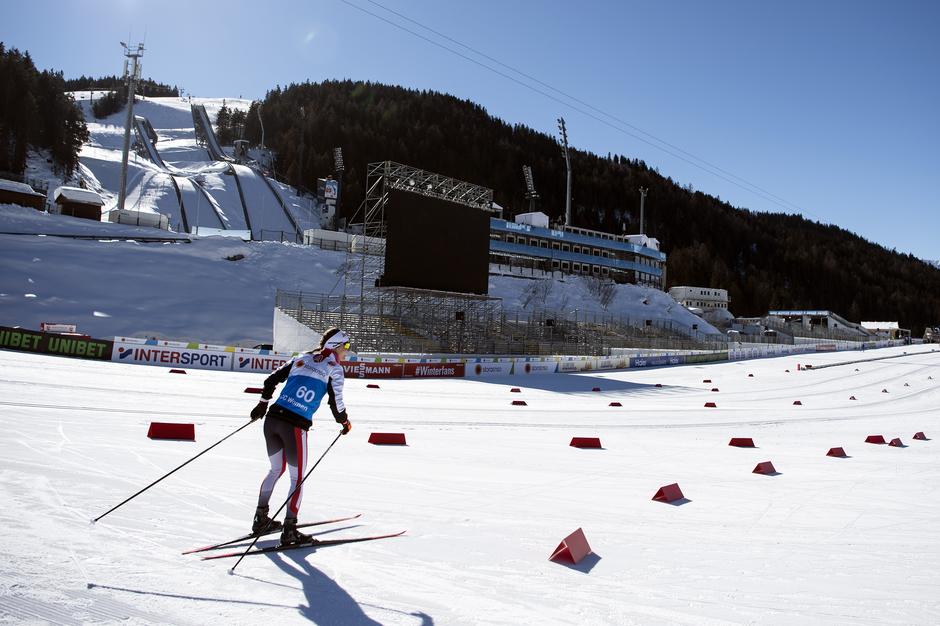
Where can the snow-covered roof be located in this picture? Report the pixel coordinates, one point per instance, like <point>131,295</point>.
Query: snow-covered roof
<point>77,194</point>
<point>23,188</point>
<point>880,325</point>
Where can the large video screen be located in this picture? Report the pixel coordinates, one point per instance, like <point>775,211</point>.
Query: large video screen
<point>435,244</point>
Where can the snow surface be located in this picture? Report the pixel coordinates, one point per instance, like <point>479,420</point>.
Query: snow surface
<point>486,491</point>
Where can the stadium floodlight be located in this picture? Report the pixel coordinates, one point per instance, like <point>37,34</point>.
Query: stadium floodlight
<point>338,164</point>
<point>531,194</point>
<point>564,142</point>
<point>131,75</point>
<point>643,191</point>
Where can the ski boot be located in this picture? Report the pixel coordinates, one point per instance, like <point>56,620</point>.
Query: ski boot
<point>290,536</point>
<point>263,523</point>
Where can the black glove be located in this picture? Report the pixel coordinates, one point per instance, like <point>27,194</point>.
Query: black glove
<point>347,426</point>
<point>260,409</point>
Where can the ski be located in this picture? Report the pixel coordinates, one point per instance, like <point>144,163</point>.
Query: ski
<point>320,544</point>
<point>216,546</point>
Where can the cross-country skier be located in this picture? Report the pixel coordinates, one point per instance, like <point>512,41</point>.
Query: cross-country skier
<point>310,377</point>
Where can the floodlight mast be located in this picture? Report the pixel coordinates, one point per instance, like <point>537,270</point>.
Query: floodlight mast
<point>131,75</point>
<point>564,143</point>
<point>643,191</point>
<point>531,194</point>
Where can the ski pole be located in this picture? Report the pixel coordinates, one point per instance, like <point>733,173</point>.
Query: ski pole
<point>296,489</point>
<point>167,474</point>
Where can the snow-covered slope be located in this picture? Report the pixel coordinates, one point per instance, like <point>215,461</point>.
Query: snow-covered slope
<point>486,491</point>
<point>151,185</point>
<point>190,291</point>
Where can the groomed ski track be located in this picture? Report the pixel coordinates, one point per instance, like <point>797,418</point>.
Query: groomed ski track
<point>486,491</point>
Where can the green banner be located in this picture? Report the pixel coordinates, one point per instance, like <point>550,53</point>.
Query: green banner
<point>53,343</point>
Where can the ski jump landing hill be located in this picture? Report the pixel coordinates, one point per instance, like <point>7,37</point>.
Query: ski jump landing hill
<point>218,195</point>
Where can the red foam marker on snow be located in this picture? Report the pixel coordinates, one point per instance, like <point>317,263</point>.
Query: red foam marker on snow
<point>765,467</point>
<point>572,548</point>
<point>614,404</point>
<point>750,375</point>
<point>836,452</point>
<point>177,371</point>
<point>920,436</point>
<point>711,405</point>
<point>669,493</point>
<point>874,439</point>
<point>896,443</point>
<point>741,442</point>
<point>659,385</point>
<point>585,442</point>
<point>787,371</point>
<point>387,439</point>
<point>519,403</point>
<point>372,386</point>
<point>596,389</point>
<point>253,389</point>
<point>515,390</point>
<point>166,430</point>
<point>707,380</point>
<point>907,384</point>
<point>851,397</point>
<point>884,391</point>
<point>714,388</point>
<point>797,403</point>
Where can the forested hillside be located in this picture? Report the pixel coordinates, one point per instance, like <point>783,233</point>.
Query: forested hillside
<point>36,113</point>
<point>765,260</point>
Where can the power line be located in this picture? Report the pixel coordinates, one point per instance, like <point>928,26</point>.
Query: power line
<point>665,146</point>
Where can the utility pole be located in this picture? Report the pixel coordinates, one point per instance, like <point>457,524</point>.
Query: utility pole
<point>643,191</point>
<point>564,142</point>
<point>131,74</point>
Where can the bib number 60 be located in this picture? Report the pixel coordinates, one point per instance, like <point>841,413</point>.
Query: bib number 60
<point>307,395</point>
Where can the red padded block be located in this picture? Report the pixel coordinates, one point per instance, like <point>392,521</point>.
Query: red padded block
<point>177,371</point>
<point>572,548</point>
<point>165,430</point>
<point>852,398</point>
<point>750,375</point>
<point>787,371</point>
<point>874,439</point>
<point>884,391</point>
<point>711,405</point>
<point>387,439</point>
<point>659,385</point>
<point>372,386</point>
<point>515,390</point>
<point>707,380</point>
<point>838,452</point>
<point>907,384</point>
<point>896,443</point>
<point>519,403</point>
<point>714,388</point>
<point>741,442</point>
<point>797,403</point>
<point>586,442</point>
<point>669,493</point>
<point>614,404</point>
<point>765,467</point>
<point>596,389</point>
<point>920,436</point>
<point>253,389</point>
<point>930,378</point>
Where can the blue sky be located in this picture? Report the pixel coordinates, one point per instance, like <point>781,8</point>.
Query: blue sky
<point>830,108</point>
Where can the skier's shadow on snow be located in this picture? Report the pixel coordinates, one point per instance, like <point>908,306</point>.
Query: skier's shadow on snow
<point>327,602</point>
<point>575,384</point>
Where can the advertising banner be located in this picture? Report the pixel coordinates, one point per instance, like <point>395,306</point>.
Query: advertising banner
<point>656,361</point>
<point>51,343</point>
<point>260,363</point>
<point>362,369</point>
<point>433,370</point>
<point>825,347</point>
<point>524,366</point>
<point>575,365</point>
<point>488,368</point>
<point>170,356</point>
